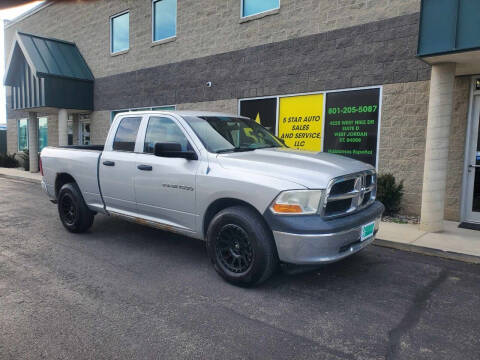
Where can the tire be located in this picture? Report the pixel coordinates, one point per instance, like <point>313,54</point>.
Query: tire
<point>241,246</point>
<point>74,214</point>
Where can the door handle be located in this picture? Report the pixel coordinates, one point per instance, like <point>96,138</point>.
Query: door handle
<point>474,166</point>
<point>109,163</point>
<point>144,167</point>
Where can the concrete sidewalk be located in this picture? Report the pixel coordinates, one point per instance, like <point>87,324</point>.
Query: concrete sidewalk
<point>21,174</point>
<point>453,243</point>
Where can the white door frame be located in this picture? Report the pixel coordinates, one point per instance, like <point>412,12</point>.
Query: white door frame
<point>473,123</point>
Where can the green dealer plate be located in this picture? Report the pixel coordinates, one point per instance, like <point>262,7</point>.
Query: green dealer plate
<point>367,231</point>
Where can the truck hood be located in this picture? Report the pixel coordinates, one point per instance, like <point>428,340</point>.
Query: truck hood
<point>312,170</point>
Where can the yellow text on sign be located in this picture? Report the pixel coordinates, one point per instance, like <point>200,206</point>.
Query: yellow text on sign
<point>300,121</point>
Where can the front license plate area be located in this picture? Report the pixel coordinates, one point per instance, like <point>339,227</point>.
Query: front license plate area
<point>367,231</point>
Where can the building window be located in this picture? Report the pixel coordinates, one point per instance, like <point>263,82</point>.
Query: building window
<point>254,7</point>
<point>42,133</point>
<point>166,107</point>
<point>22,134</point>
<point>164,20</point>
<point>120,32</point>
<point>126,135</point>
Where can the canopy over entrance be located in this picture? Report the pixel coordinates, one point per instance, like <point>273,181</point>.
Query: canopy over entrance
<point>48,73</point>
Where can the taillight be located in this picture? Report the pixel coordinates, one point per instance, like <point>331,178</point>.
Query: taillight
<point>40,165</point>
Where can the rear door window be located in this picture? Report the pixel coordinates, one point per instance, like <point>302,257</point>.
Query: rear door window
<point>127,134</point>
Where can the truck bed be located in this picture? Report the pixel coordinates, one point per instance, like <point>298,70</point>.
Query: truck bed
<point>80,162</point>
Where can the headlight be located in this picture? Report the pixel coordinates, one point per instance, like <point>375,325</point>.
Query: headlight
<point>297,202</point>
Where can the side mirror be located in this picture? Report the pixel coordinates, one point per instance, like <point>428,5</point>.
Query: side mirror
<point>173,150</point>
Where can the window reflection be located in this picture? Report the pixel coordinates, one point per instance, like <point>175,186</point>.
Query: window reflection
<point>120,33</point>
<point>252,7</point>
<point>163,130</point>
<point>164,19</point>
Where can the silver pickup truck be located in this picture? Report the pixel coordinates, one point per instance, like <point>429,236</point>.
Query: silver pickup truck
<point>220,178</point>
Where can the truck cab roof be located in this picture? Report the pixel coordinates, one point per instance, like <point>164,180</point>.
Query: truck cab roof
<point>182,113</point>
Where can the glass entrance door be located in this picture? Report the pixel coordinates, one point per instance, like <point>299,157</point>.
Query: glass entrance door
<point>84,129</point>
<point>472,210</point>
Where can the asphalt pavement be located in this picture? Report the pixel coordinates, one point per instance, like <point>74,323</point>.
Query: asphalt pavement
<point>123,291</point>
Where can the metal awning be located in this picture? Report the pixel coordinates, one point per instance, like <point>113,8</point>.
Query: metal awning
<point>48,73</point>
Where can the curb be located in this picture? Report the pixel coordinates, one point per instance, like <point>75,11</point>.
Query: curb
<point>21,178</point>
<point>472,259</point>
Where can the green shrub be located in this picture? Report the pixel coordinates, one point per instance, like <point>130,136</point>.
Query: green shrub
<point>25,155</point>
<point>8,161</point>
<point>389,193</point>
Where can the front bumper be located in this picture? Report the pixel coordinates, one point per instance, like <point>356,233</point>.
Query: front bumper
<point>319,241</point>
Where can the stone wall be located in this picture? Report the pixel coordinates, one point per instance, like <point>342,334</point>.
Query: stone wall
<point>12,136</point>
<point>458,132</point>
<point>204,27</point>
<point>99,126</point>
<point>377,53</point>
<point>402,138</point>
<point>402,141</point>
<point>229,106</point>
<point>52,130</point>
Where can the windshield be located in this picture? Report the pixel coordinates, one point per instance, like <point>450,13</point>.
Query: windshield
<point>228,134</point>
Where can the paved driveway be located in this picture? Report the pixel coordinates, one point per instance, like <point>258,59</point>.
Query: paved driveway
<point>124,291</point>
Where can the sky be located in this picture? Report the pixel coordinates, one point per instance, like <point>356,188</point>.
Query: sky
<point>8,14</point>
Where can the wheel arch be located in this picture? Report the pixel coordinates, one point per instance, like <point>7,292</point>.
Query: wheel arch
<point>62,179</point>
<point>223,203</point>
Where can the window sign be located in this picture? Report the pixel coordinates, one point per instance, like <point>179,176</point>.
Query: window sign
<point>164,19</point>
<point>120,33</point>
<point>263,111</point>
<point>351,125</point>
<point>300,122</point>
<point>253,7</point>
<point>338,122</point>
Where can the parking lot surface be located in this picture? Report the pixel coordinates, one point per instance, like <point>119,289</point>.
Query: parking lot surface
<point>124,291</point>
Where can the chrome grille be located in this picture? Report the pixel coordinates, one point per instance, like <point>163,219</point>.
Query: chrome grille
<point>349,193</point>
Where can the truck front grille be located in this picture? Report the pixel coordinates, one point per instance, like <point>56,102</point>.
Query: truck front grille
<point>350,193</point>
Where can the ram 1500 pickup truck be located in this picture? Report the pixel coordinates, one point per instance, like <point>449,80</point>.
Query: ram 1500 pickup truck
<point>220,178</point>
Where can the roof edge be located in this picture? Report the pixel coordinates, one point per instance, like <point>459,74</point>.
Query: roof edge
<point>27,14</point>
<point>46,38</point>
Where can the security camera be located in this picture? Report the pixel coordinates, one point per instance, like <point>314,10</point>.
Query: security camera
<point>209,84</point>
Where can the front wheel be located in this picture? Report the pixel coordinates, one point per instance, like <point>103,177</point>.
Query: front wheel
<point>76,217</point>
<point>241,246</point>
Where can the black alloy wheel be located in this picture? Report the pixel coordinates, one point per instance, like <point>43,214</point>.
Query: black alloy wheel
<point>241,246</point>
<point>233,249</point>
<point>68,210</point>
<point>75,215</point>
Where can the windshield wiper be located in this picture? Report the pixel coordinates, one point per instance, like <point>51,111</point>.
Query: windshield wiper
<point>269,147</point>
<point>240,149</point>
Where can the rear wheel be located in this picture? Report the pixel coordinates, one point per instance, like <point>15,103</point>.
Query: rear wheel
<point>74,214</point>
<point>241,246</point>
